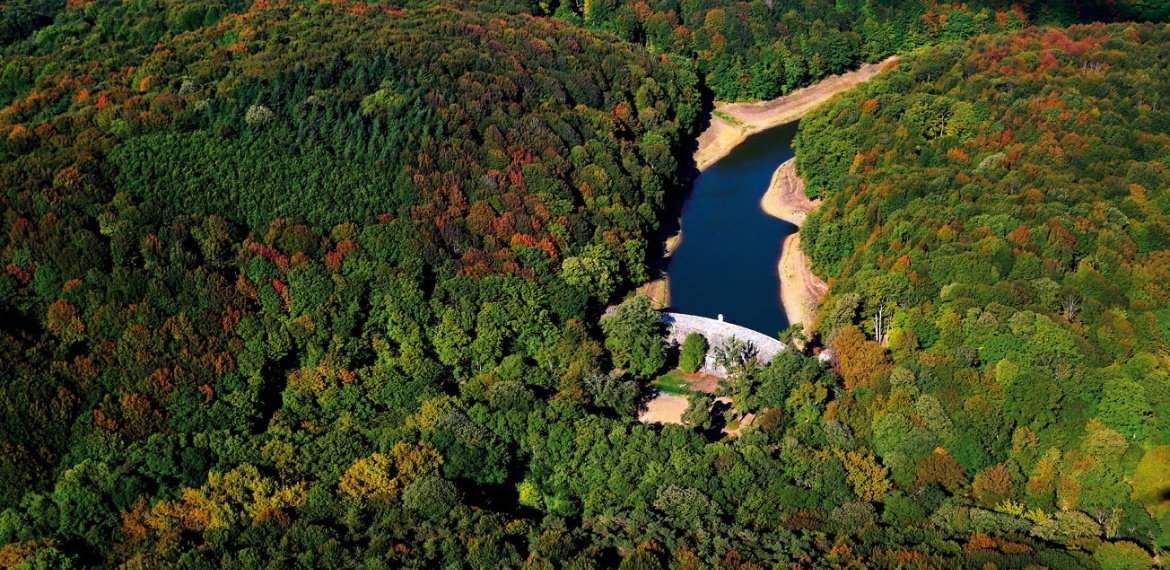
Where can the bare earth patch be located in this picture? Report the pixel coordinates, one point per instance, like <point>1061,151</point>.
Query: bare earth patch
<point>785,198</point>
<point>800,290</point>
<point>658,291</point>
<point>669,408</point>
<point>665,409</point>
<point>745,421</point>
<point>702,382</point>
<point>750,118</point>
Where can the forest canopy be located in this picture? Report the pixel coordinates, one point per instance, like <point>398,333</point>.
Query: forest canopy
<point>1002,204</point>
<point>759,50</point>
<point>322,285</point>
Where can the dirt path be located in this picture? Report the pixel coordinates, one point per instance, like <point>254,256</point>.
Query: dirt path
<point>799,288</point>
<point>732,123</point>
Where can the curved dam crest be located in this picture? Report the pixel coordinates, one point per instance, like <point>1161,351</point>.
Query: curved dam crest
<point>718,333</point>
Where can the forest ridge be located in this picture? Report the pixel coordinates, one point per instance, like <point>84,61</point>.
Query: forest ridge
<point>320,285</point>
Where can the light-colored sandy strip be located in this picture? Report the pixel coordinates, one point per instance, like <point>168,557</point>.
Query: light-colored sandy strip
<point>745,119</point>
<point>785,198</point>
<point>799,288</point>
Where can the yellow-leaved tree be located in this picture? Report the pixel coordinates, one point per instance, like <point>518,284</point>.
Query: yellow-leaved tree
<point>382,476</point>
<point>869,478</point>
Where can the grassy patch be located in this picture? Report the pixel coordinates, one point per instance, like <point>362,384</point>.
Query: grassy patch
<point>673,382</point>
<point>730,120</point>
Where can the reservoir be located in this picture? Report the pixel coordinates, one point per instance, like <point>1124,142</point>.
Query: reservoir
<point>726,262</point>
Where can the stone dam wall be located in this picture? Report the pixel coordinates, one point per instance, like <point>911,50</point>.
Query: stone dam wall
<point>718,333</point>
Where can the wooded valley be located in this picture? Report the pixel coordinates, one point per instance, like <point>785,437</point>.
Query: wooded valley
<point>321,284</point>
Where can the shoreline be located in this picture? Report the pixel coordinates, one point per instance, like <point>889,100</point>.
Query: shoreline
<point>732,123</point>
<point>800,289</point>
<point>658,290</point>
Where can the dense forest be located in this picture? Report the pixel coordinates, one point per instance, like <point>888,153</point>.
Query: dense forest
<point>319,285</point>
<point>995,216</point>
<point>758,50</point>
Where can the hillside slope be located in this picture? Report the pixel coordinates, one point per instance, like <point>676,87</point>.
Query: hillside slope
<point>317,285</point>
<point>995,214</point>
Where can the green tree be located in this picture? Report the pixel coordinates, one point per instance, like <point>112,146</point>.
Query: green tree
<point>612,391</point>
<point>1122,556</point>
<point>432,497</point>
<point>589,274</point>
<point>633,335</point>
<point>1124,407</point>
<point>693,353</point>
<point>698,413</point>
<point>734,353</point>
<point>47,558</point>
<point>82,498</point>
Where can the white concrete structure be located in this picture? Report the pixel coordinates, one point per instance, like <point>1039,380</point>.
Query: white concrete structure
<point>717,333</point>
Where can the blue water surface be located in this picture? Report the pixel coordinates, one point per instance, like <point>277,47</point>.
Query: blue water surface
<point>727,260</point>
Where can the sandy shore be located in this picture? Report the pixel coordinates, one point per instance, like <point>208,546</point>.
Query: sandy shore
<point>732,123</point>
<point>785,198</point>
<point>799,288</point>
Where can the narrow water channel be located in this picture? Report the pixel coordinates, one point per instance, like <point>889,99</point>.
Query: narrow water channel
<point>726,263</point>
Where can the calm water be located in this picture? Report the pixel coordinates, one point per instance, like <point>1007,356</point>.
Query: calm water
<point>727,260</point>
